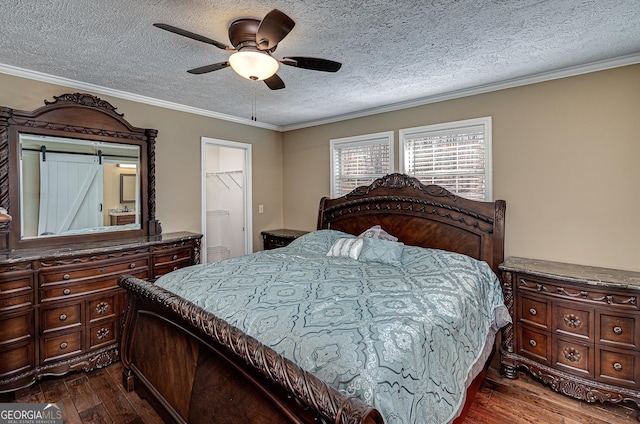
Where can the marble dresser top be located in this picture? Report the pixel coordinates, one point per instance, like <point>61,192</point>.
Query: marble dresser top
<point>606,277</point>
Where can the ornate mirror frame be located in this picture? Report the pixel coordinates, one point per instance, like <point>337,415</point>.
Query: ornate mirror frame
<point>82,117</point>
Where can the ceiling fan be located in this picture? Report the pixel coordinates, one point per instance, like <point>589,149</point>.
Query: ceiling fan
<point>254,42</point>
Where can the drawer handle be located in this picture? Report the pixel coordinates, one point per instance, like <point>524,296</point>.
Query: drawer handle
<point>533,343</point>
<point>617,330</point>
<point>174,257</point>
<point>66,292</point>
<point>533,311</point>
<point>102,333</point>
<point>617,366</point>
<point>102,307</point>
<point>63,345</point>
<point>132,266</point>
<point>175,268</point>
<point>102,269</point>
<point>63,317</point>
<point>66,276</point>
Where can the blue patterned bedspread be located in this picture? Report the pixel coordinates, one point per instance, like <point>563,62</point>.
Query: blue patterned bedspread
<point>403,338</point>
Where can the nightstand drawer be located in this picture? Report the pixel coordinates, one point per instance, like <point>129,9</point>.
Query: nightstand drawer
<point>619,367</point>
<point>621,331</point>
<point>572,320</point>
<point>533,311</point>
<point>574,357</point>
<point>534,344</point>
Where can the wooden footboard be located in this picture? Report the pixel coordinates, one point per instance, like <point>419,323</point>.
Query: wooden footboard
<point>193,367</point>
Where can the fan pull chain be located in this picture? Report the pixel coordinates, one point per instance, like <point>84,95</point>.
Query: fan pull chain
<point>253,103</point>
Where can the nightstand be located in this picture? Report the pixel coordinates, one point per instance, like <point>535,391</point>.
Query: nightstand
<point>280,238</point>
<point>577,328</point>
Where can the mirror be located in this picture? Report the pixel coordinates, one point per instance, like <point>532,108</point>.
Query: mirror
<point>71,187</point>
<point>128,188</point>
<point>75,171</point>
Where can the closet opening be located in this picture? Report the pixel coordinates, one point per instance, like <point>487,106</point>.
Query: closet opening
<point>226,199</point>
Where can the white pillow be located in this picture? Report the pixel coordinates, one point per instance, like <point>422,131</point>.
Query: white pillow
<point>347,248</point>
<point>377,232</point>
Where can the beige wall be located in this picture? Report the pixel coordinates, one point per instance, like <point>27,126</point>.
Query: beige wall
<point>178,180</point>
<point>566,158</point>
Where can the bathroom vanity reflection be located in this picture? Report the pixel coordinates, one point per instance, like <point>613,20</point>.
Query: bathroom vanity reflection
<point>73,186</point>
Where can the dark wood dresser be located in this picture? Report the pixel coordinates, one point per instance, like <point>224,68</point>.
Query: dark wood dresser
<point>577,328</point>
<point>61,307</point>
<point>279,238</point>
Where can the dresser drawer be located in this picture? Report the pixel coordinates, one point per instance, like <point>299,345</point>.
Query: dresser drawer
<point>16,290</point>
<point>180,255</point>
<point>103,307</point>
<point>573,356</point>
<point>66,316</point>
<point>20,357</point>
<point>161,269</point>
<point>618,330</point>
<point>102,334</point>
<point>51,292</point>
<point>55,347</point>
<point>16,327</point>
<point>534,344</point>
<point>573,319</point>
<point>74,273</point>
<point>619,367</point>
<point>533,311</point>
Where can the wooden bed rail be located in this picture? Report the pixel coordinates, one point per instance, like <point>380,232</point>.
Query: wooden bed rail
<point>207,357</point>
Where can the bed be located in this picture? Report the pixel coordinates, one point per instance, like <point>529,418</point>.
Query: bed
<point>194,365</point>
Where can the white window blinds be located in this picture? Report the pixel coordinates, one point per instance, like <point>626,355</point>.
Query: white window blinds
<point>357,161</point>
<point>455,155</point>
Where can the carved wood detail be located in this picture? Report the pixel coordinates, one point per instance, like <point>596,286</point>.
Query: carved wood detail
<point>609,299</point>
<point>315,393</point>
<point>84,99</point>
<point>579,388</point>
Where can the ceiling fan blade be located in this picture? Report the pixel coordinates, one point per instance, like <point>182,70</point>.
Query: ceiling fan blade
<point>273,28</point>
<point>193,36</point>
<point>313,63</point>
<point>274,82</point>
<point>208,68</point>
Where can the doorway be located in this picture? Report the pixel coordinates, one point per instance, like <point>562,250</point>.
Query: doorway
<point>226,199</point>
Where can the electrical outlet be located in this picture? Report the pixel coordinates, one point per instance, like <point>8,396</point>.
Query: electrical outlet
<point>260,208</point>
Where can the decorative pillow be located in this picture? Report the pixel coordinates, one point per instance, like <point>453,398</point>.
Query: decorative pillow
<point>377,232</point>
<point>347,248</point>
<point>382,251</point>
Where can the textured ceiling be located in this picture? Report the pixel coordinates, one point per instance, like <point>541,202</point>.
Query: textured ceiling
<point>392,51</point>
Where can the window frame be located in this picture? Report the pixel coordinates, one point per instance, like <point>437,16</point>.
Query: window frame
<point>360,140</point>
<point>486,122</point>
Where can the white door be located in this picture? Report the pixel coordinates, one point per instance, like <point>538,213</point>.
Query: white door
<point>226,199</point>
<point>71,189</point>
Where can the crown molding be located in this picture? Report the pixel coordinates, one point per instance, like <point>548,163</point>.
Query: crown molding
<point>53,79</point>
<point>631,59</point>
<point>602,65</point>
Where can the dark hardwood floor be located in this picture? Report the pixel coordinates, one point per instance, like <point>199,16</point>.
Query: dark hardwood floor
<point>98,397</point>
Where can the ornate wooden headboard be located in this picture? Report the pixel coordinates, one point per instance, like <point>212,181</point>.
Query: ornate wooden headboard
<point>421,215</point>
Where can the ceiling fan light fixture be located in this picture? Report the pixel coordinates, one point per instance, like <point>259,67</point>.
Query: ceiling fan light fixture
<point>253,65</point>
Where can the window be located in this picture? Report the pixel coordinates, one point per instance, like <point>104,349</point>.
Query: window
<point>455,155</point>
<point>357,161</point>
